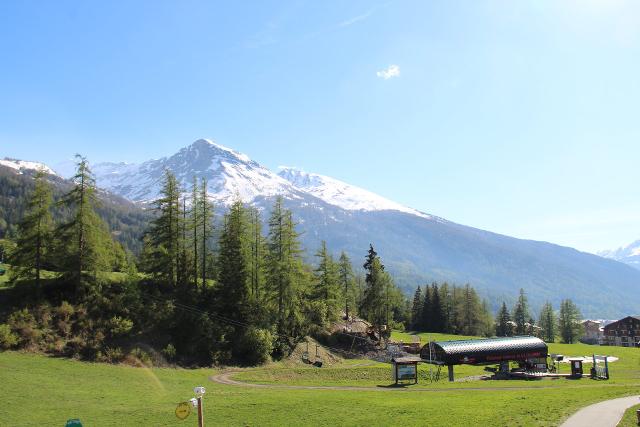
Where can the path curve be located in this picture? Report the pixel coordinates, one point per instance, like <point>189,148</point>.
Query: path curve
<point>602,414</point>
<point>226,379</point>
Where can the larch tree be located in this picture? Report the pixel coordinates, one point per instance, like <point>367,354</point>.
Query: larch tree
<point>284,275</point>
<point>34,233</point>
<point>206,228</point>
<point>347,282</point>
<point>569,322</point>
<point>326,281</point>
<point>85,244</point>
<point>164,234</point>
<point>548,323</point>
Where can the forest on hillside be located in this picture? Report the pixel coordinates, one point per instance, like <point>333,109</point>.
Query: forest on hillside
<point>197,293</point>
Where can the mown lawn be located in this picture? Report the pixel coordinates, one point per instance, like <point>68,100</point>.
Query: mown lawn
<point>624,371</point>
<point>42,391</point>
<point>630,418</point>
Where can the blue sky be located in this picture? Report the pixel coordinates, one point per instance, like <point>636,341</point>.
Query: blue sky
<point>516,117</point>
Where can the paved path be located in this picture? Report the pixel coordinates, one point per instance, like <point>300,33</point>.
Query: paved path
<point>603,414</point>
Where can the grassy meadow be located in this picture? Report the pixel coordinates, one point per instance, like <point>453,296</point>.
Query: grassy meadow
<point>41,391</point>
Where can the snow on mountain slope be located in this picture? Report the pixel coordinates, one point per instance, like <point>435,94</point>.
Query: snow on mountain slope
<point>21,165</point>
<point>229,175</point>
<point>341,194</point>
<point>629,255</point>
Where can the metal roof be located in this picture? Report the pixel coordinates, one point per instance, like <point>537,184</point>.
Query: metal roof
<point>485,350</point>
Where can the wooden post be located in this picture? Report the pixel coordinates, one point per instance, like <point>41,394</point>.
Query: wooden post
<point>200,415</point>
<point>450,367</point>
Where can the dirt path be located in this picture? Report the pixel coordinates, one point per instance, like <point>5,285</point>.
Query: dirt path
<point>603,414</point>
<point>226,378</point>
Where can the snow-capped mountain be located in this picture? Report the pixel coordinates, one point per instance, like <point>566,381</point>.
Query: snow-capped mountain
<point>341,194</point>
<point>229,175</point>
<point>416,248</point>
<point>21,165</point>
<point>629,254</point>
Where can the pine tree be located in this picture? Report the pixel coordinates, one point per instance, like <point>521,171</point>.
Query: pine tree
<point>34,233</point>
<point>503,329</point>
<point>347,282</point>
<point>326,278</point>
<point>416,309</point>
<point>374,306</point>
<point>426,323</point>
<point>569,322</point>
<point>521,313</point>
<point>548,323</point>
<point>436,304</point>
<point>85,244</point>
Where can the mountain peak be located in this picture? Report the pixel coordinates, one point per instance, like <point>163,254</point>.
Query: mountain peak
<point>210,146</point>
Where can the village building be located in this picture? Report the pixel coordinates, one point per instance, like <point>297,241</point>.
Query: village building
<point>625,332</point>
<point>593,332</point>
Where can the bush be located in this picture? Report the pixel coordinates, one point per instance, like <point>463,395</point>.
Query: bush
<point>24,324</point>
<point>138,357</point>
<point>118,326</point>
<point>7,338</point>
<point>111,355</point>
<point>169,352</point>
<point>254,347</point>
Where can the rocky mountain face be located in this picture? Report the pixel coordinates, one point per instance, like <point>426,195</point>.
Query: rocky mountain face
<point>416,247</point>
<point>629,255</point>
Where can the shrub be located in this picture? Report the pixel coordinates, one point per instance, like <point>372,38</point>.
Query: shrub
<point>254,347</point>
<point>65,311</point>
<point>111,355</point>
<point>138,357</point>
<point>24,324</point>
<point>7,338</point>
<point>118,326</point>
<point>169,352</point>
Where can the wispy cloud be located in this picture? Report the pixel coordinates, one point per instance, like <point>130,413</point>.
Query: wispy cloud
<point>389,72</point>
<point>358,18</point>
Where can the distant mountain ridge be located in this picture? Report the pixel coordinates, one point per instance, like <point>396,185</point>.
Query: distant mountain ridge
<point>415,246</point>
<point>629,255</point>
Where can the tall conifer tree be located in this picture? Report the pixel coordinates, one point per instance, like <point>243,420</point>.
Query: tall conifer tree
<point>34,233</point>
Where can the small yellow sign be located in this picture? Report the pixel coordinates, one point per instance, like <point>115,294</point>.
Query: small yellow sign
<point>183,410</point>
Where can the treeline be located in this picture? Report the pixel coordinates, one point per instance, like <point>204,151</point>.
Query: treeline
<point>458,310</point>
<point>450,309</point>
<point>565,324</point>
<point>204,293</point>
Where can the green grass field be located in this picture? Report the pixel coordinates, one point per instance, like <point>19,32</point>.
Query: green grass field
<point>630,418</point>
<point>43,391</point>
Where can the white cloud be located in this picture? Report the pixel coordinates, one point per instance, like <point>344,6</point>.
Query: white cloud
<point>390,71</point>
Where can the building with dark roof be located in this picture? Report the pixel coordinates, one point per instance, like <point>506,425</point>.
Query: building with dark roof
<point>525,349</point>
<point>625,332</point>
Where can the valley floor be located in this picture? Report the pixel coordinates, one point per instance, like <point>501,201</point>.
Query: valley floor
<point>41,391</point>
